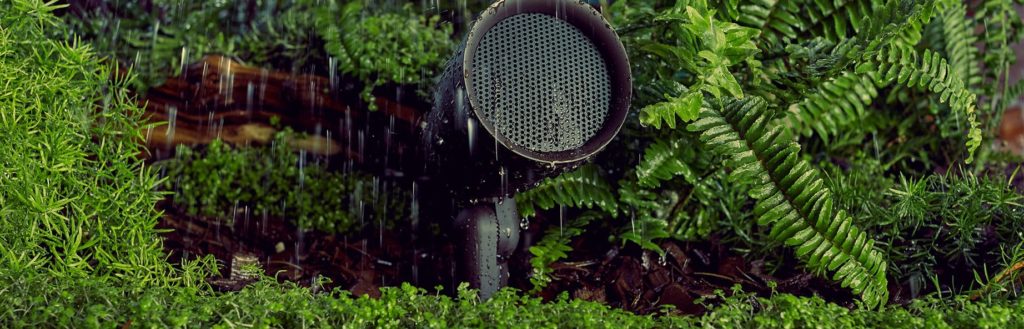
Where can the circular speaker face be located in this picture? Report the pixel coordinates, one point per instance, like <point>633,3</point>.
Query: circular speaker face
<point>548,79</point>
<point>540,83</point>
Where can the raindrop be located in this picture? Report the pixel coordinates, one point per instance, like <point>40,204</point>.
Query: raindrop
<point>263,84</point>
<point>184,61</point>
<point>332,68</point>
<point>250,97</point>
<point>263,223</point>
<point>471,127</point>
<point>561,220</point>
<point>302,167</point>
<point>172,119</point>
<point>503,179</point>
<point>874,139</point>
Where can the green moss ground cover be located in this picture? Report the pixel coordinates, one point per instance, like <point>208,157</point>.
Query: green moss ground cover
<point>40,300</point>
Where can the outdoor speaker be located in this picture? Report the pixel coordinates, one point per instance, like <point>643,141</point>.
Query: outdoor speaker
<point>537,88</point>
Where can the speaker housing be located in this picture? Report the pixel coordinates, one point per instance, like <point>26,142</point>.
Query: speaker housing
<point>537,88</point>
<point>475,158</point>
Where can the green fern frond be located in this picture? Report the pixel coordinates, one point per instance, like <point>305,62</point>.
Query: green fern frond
<point>839,105</point>
<point>583,187</point>
<point>837,20</point>
<point>900,64</point>
<point>1002,27</point>
<point>647,216</point>
<point>840,20</point>
<point>792,198</point>
<point>777,20</point>
<point>684,107</point>
<point>785,20</point>
<point>802,68</point>
<point>1014,92</point>
<point>639,199</point>
<point>554,246</point>
<point>644,230</point>
<point>960,43</point>
<point>338,46</point>
<point>662,161</point>
<point>836,108</point>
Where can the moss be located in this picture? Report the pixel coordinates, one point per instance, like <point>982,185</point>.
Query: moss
<point>35,300</point>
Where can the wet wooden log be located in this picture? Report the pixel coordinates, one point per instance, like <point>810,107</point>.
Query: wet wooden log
<point>221,98</point>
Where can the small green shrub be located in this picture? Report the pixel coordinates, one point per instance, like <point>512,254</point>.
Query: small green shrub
<point>955,222</point>
<point>75,199</point>
<point>389,47</point>
<point>274,180</point>
<point>393,45</point>
<point>158,38</point>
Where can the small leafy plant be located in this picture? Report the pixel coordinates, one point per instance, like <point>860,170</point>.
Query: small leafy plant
<point>415,46</point>
<point>225,182</point>
<point>159,38</point>
<point>75,199</point>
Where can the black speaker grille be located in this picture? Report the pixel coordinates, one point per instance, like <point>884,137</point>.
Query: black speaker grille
<point>540,83</point>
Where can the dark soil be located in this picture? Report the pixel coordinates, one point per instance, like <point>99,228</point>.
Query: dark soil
<point>359,263</point>
<point>629,278</point>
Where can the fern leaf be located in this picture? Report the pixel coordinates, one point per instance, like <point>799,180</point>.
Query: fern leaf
<point>837,107</point>
<point>1002,27</point>
<point>777,20</point>
<point>662,161</point>
<point>583,187</point>
<point>787,19</point>
<point>644,230</point>
<point>647,216</point>
<point>900,64</point>
<point>554,246</point>
<point>840,19</point>
<point>338,46</point>
<point>685,108</point>
<point>959,44</point>
<point>1014,92</point>
<point>792,198</point>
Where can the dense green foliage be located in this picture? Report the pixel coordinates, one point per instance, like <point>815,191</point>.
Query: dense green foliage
<point>224,182</point>
<point>40,300</point>
<point>75,199</point>
<point>792,198</point>
<point>415,49</point>
<point>159,38</point>
<point>777,100</point>
<point>750,112</point>
<point>934,224</point>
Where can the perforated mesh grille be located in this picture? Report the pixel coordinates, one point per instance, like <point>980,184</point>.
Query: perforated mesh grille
<point>540,82</point>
